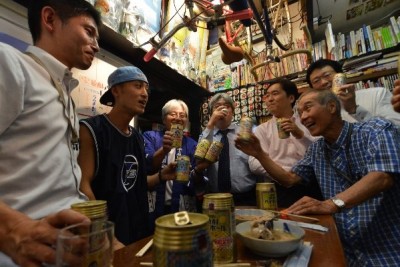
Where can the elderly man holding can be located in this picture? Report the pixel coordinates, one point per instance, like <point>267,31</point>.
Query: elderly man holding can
<point>231,174</point>
<point>359,105</point>
<point>167,146</point>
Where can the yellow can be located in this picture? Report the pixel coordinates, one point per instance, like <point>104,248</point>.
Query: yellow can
<point>177,135</point>
<point>214,151</point>
<point>246,127</point>
<point>202,148</point>
<point>221,210</point>
<point>281,133</point>
<point>182,239</point>
<point>266,196</point>
<point>182,168</point>
<point>339,79</point>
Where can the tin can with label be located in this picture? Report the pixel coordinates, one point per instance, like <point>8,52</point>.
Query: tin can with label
<point>214,151</point>
<point>182,239</point>
<point>339,79</point>
<point>246,126</point>
<point>182,168</point>
<point>177,135</point>
<point>201,149</point>
<point>221,210</point>
<point>266,196</point>
<point>281,133</point>
<point>96,210</point>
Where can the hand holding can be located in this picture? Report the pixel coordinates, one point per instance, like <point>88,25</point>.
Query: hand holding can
<point>281,133</point>
<point>177,135</point>
<point>339,79</point>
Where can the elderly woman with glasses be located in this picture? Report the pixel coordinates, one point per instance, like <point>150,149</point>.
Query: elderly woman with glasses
<point>172,196</point>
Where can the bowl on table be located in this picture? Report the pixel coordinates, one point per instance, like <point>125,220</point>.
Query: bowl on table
<point>244,215</point>
<point>271,248</point>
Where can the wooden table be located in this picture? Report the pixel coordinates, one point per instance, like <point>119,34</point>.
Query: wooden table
<point>327,250</point>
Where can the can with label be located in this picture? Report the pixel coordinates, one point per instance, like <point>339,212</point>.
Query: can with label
<point>214,151</point>
<point>177,134</point>
<point>221,210</point>
<point>281,133</point>
<point>96,211</point>
<point>339,79</point>
<point>182,168</point>
<point>246,126</point>
<point>201,149</point>
<point>266,196</point>
<point>182,239</point>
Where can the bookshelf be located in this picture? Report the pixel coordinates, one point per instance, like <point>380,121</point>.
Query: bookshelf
<point>369,54</point>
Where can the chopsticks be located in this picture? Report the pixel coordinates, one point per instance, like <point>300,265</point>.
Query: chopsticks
<point>144,248</point>
<point>285,215</point>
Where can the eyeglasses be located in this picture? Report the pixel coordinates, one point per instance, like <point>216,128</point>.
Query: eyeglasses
<point>325,76</point>
<point>178,115</point>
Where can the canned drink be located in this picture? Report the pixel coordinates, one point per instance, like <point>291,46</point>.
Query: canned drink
<point>338,80</point>
<point>182,168</point>
<point>182,239</point>
<point>221,210</point>
<point>246,126</point>
<point>96,211</point>
<point>177,135</point>
<point>201,149</point>
<point>214,151</point>
<point>266,196</point>
<point>281,133</point>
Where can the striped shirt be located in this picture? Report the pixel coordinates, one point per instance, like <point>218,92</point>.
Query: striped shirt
<point>370,231</point>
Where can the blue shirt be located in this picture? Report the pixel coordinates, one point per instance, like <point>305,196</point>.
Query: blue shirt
<point>369,231</point>
<point>183,194</point>
<point>242,180</point>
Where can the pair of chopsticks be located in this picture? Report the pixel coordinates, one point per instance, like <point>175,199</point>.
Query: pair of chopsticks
<point>285,215</point>
<point>144,249</point>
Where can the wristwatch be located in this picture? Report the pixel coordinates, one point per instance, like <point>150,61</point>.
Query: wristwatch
<point>338,203</point>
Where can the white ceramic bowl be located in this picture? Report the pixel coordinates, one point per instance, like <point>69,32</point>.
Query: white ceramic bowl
<point>244,215</point>
<point>270,248</point>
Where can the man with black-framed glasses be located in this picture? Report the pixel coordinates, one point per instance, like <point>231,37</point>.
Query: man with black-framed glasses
<point>357,105</point>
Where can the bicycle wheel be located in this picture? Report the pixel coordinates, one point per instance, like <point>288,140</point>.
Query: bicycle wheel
<point>281,23</point>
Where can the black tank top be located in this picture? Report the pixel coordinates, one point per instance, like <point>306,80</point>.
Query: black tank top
<point>120,178</point>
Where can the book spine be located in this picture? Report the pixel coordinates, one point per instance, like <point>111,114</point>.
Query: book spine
<point>370,37</point>
<point>362,40</point>
<point>354,49</point>
<point>395,28</point>
<point>366,39</point>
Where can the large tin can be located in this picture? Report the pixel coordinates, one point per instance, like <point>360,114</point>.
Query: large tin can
<point>214,151</point>
<point>281,133</point>
<point>339,79</point>
<point>177,134</point>
<point>96,210</point>
<point>202,148</point>
<point>182,168</point>
<point>182,239</point>
<point>266,196</point>
<point>246,126</point>
<point>221,210</point>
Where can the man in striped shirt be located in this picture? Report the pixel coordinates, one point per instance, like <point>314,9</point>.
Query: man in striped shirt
<point>357,166</point>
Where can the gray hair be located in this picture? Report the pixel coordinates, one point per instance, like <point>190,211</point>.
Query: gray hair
<point>217,97</point>
<point>174,103</point>
<point>324,97</point>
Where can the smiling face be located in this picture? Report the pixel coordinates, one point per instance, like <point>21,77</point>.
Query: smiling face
<point>322,78</point>
<point>278,102</point>
<point>131,96</point>
<point>316,117</point>
<point>79,41</point>
<point>176,114</point>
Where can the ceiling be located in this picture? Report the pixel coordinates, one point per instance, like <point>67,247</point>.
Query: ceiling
<point>344,16</point>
